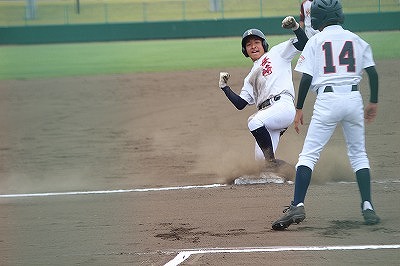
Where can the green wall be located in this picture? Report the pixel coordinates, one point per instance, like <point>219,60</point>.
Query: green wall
<point>176,29</point>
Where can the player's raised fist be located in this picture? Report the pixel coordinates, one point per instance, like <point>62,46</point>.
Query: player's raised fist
<point>290,23</point>
<point>223,79</point>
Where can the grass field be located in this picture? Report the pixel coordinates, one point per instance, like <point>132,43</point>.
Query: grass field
<point>13,13</point>
<point>57,60</point>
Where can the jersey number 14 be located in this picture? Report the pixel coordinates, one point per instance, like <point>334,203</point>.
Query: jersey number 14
<point>346,57</point>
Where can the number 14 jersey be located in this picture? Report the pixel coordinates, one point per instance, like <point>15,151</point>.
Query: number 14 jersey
<point>335,57</point>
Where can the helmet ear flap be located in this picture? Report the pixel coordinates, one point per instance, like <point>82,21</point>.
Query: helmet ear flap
<point>245,52</point>
<point>265,46</point>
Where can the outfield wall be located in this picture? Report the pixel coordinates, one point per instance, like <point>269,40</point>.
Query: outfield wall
<point>177,29</point>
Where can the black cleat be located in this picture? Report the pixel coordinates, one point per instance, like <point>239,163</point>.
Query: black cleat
<point>370,217</point>
<point>293,214</point>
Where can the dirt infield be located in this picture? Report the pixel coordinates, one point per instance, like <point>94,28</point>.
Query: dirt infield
<point>125,132</point>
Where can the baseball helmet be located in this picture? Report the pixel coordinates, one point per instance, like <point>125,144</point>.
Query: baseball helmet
<point>325,12</point>
<point>253,32</point>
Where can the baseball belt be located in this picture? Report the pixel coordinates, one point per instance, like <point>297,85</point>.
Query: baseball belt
<point>330,89</point>
<point>268,102</point>
<point>271,100</point>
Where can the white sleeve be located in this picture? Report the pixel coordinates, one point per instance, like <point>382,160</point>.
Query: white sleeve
<point>305,63</point>
<point>247,91</point>
<point>287,49</point>
<point>368,59</point>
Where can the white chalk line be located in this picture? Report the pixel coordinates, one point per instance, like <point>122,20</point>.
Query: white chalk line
<point>185,254</point>
<point>374,181</point>
<point>47,194</point>
<point>72,193</point>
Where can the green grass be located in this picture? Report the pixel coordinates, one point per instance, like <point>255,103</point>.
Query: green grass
<point>12,13</point>
<point>58,60</point>
<point>95,11</point>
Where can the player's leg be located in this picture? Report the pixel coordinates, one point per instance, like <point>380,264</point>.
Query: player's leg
<point>264,141</point>
<point>258,153</point>
<point>319,132</point>
<point>318,135</point>
<point>267,124</point>
<point>354,132</point>
<point>364,184</point>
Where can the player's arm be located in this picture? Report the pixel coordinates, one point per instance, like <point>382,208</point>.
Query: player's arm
<point>301,39</point>
<point>372,107</point>
<point>290,23</point>
<point>373,83</point>
<point>235,99</point>
<point>304,85</point>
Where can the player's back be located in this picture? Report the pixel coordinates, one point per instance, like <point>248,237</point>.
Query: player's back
<point>340,56</point>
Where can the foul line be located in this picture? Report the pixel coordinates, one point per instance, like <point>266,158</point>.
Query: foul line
<point>185,254</point>
<point>107,191</point>
<point>72,193</point>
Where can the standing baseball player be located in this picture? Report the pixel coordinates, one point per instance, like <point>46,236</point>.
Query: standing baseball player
<point>269,86</point>
<point>305,18</point>
<point>332,63</point>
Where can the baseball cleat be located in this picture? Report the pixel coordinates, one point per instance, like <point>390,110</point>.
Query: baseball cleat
<point>293,214</point>
<point>370,217</point>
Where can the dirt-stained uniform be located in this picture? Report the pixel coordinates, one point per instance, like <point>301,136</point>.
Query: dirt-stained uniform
<point>269,86</point>
<point>270,79</point>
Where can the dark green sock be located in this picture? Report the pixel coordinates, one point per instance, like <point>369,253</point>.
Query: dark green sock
<point>364,184</point>
<point>302,181</point>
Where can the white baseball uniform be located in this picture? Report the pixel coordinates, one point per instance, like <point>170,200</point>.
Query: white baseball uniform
<point>274,74</point>
<point>305,17</point>
<point>335,58</point>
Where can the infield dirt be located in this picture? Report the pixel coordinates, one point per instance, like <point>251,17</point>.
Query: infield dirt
<point>176,129</point>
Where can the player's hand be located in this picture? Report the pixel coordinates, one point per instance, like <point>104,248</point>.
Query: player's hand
<point>370,112</point>
<point>290,23</point>
<point>298,119</point>
<point>223,79</point>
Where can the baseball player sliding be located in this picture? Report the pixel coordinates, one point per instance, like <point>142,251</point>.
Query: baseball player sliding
<point>332,63</point>
<point>269,87</point>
